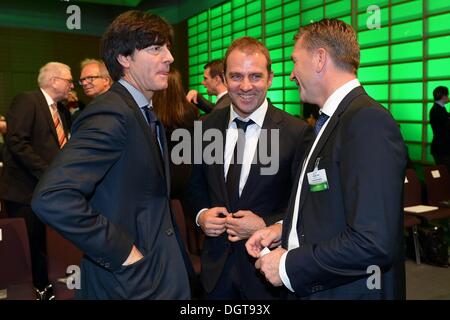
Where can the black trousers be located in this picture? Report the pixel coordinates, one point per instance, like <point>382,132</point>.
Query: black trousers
<point>37,240</point>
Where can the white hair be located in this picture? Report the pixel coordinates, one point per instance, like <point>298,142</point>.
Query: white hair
<point>50,70</point>
<point>101,66</point>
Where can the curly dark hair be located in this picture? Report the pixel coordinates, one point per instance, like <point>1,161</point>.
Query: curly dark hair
<point>129,31</point>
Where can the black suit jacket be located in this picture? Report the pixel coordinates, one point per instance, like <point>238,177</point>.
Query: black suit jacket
<point>109,189</point>
<point>358,221</point>
<point>265,195</point>
<point>31,144</point>
<point>207,106</point>
<point>440,123</point>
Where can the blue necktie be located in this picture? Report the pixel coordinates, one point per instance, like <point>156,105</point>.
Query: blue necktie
<point>320,122</point>
<point>234,170</point>
<point>154,124</point>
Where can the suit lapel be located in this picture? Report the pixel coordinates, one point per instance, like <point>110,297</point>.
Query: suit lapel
<point>222,125</point>
<point>165,153</point>
<point>43,106</point>
<point>333,122</point>
<point>271,121</point>
<point>128,98</point>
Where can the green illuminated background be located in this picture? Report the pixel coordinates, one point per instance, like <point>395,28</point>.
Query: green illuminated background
<point>401,62</point>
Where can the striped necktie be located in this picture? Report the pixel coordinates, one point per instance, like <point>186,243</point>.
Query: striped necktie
<point>62,140</point>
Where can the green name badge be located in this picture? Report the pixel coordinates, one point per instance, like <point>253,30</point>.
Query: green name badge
<point>317,180</point>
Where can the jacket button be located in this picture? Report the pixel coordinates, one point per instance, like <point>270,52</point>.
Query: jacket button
<point>169,232</point>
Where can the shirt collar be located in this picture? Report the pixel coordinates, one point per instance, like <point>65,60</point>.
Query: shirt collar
<point>337,96</point>
<point>220,95</point>
<point>138,97</point>
<point>47,97</point>
<point>257,116</point>
<point>440,103</point>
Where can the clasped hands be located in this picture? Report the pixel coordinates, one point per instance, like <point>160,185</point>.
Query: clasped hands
<point>239,225</point>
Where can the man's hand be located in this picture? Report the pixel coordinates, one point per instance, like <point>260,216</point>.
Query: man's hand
<point>134,256</point>
<point>192,96</point>
<point>267,237</point>
<point>212,221</point>
<point>268,265</point>
<point>242,224</point>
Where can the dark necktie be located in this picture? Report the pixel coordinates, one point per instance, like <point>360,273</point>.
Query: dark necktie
<point>320,122</point>
<point>234,170</point>
<point>155,126</point>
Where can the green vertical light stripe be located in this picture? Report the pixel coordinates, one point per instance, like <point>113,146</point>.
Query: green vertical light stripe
<point>439,46</point>
<point>374,55</point>
<point>407,11</point>
<point>407,71</point>
<point>408,50</point>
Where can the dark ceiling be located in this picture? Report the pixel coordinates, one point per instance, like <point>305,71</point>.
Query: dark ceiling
<point>95,14</point>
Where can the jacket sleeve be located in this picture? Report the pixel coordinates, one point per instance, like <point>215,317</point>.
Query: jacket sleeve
<point>203,104</point>
<point>61,198</point>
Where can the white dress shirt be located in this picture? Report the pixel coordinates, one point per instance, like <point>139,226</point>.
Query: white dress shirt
<point>251,142</point>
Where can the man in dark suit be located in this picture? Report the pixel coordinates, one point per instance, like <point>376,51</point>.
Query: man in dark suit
<point>108,191</point>
<point>440,123</point>
<point>342,235</point>
<point>37,129</point>
<point>234,198</point>
<point>213,80</point>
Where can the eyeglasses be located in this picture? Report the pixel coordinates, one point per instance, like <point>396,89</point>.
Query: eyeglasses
<point>88,79</point>
<point>70,81</point>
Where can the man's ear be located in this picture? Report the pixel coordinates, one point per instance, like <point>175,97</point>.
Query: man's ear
<point>321,58</point>
<point>271,74</point>
<point>225,80</point>
<point>124,60</point>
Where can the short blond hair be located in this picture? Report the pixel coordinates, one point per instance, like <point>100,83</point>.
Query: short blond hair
<point>337,37</point>
<point>101,66</point>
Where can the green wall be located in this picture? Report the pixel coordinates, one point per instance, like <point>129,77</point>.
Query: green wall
<point>401,62</point>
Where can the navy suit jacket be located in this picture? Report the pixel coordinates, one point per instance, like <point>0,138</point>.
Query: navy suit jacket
<point>358,221</point>
<point>107,190</point>
<point>31,144</point>
<point>265,195</point>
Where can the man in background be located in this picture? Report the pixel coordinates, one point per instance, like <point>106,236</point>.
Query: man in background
<point>440,123</point>
<point>94,77</point>
<point>213,80</point>
<point>37,129</point>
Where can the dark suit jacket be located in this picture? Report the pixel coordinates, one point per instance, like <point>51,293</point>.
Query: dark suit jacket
<point>31,144</point>
<point>265,195</point>
<point>106,191</point>
<point>358,221</point>
<point>440,123</point>
<point>207,106</point>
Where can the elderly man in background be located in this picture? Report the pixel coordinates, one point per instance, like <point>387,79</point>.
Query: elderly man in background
<point>37,129</point>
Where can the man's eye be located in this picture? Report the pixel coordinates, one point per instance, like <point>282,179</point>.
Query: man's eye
<point>155,49</point>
